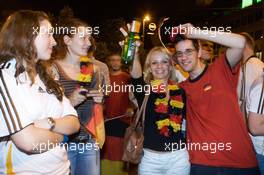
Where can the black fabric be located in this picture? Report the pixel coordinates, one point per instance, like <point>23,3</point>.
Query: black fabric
<point>153,139</point>
<point>210,170</point>
<point>199,76</point>
<point>111,128</point>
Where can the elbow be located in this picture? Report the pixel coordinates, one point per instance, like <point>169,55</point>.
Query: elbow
<point>243,42</point>
<point>28,147</point>
<point>254,130</point>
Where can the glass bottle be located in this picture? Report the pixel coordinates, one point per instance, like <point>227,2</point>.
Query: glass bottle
<point>128,51</point>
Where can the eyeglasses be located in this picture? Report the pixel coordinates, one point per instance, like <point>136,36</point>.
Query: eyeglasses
<point>187,52</point>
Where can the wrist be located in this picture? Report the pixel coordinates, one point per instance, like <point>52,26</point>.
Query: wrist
<point>51,123</point>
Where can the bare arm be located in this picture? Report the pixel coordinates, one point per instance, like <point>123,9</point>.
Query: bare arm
<point>66,125</point>
<point>234,42</point>
<point>35,140</point>
<point>136,70</point>
<point>256,124</point>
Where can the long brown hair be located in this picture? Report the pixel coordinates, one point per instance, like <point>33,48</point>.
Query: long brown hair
<point>17,38</point>
<point>66,23</point>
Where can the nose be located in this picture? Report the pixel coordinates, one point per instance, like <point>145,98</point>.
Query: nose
<point>160,65</point>
<point>88,41</point>
<point>53,42</point>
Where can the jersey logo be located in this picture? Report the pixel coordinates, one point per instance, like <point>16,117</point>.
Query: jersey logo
<point>40,90</point>
<point>207,87</point>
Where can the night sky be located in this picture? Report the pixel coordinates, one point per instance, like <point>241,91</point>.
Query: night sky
<point>97,11</point>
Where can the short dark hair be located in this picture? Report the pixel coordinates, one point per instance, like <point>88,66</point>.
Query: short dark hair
<point>180,37</point>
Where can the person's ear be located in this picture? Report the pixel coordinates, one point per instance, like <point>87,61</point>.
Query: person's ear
<point>66,39</point>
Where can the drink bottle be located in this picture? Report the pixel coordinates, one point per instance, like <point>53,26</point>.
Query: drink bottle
<point>128,51</point>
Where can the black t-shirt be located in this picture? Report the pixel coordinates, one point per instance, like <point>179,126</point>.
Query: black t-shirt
<point>152,138</point>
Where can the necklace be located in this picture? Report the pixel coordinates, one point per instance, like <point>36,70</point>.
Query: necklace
<point>86,71</point>
<point>168,110</point>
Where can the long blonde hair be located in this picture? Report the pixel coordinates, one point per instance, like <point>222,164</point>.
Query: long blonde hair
<point>147,73</point>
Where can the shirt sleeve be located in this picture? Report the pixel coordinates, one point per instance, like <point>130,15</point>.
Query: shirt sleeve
<point>230,74</point>
<point>256,97</point>
<point>12,114</point>
<point>68,109</point>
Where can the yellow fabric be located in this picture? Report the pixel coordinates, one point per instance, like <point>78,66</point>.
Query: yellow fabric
<point>177,104</point>
<point>9,165</point>
<point>109,167</point>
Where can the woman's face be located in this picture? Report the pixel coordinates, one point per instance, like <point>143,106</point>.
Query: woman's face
<point>80,43</point>
<point>44,41</point>
<point>159,66</point>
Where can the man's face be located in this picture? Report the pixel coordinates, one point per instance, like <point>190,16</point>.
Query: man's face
<point>115,62</point>
<point>207,50</point>
<point>186,55</point>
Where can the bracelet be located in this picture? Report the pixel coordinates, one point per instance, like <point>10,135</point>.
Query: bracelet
<point>65,139</point>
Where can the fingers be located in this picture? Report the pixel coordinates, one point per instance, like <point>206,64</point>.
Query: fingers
<point>78,96</point>
<point>128,27</point>
<point>95,95</point>
<point>124,32</point>
<point>98,99</point>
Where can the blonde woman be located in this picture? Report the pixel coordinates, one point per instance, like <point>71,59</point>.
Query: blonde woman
<point>164,149</point>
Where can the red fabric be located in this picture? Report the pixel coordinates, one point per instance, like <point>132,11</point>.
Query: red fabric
<point>213,116</point>
<point>96,124</point>
<point>113,148</point>
<point>118,101</point>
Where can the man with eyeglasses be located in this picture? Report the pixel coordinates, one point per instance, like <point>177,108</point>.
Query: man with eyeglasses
<point>214,122</point>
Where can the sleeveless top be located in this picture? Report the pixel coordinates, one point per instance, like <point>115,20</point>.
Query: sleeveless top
<point>84,109</point>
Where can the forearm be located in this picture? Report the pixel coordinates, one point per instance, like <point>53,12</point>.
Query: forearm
<point>67,125</point>
<point>230,40</point>
<point>136,70</point>
<point>256,124</point>
<point>234,42</point>
<point>36,140</point>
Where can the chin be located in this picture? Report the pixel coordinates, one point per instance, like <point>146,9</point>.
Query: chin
<point>45,58</point>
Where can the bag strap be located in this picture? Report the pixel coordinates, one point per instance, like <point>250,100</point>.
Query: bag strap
<point>142,109</point>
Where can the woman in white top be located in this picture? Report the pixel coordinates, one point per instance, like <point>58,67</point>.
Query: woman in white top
<point>35,117</point>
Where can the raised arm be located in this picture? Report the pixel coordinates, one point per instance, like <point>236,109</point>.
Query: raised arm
<point>136,70</point>
<point>234,42</point>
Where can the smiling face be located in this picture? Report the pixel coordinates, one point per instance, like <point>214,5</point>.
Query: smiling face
<point>187,56</point>
<point>79,43</point>
<point>44,41</point>
<point>159,65</point>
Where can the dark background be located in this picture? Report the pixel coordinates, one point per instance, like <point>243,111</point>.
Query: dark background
<point>96,11</point>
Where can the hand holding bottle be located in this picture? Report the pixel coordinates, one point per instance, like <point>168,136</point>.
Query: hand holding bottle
<point>130,45</point>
